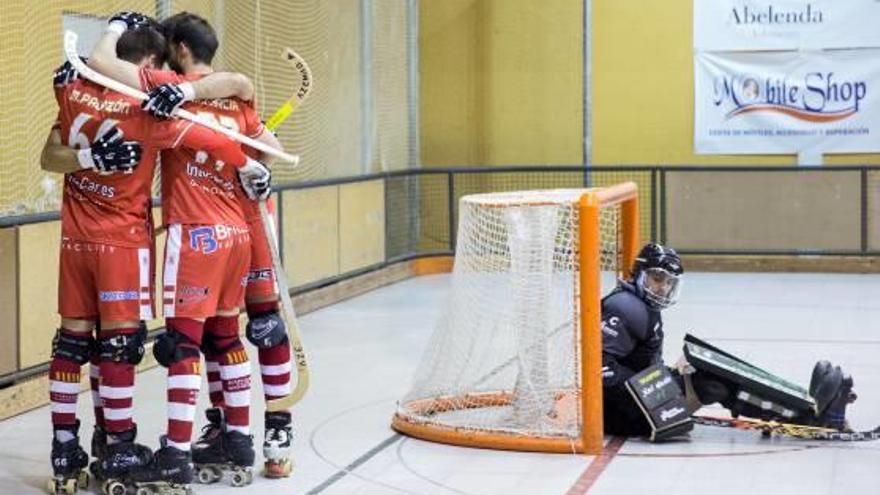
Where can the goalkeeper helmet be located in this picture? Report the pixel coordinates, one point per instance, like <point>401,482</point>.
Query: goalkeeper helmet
<point>657,273</point>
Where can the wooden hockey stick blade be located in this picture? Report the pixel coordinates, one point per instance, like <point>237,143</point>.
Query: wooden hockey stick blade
<point>305,87</point>
<point>296,346</point>
<point>70,41</point>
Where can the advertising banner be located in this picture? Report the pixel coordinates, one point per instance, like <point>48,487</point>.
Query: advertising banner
<point>787,102</point>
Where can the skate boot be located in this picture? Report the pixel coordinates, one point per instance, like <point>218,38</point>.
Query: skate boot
<point>122,457</point>
<point>235,457</point>
<point>276,445</point>
<point>832,390</point>
<point>168,473</point>
<point>69,461</point>
<point>211,438</point>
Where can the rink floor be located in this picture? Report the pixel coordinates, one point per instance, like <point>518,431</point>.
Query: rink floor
<point>364,351</point>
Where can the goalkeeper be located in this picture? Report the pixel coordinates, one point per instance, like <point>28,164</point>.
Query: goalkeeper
<point>632,341</point>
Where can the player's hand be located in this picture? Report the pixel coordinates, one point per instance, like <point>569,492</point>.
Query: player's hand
<point>110,153</point>
<point>123,21</point>
<point>164,100</point>
<point>256,180</point>
<point>65,74</point>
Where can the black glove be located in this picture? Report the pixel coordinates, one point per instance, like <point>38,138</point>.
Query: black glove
<point>256,180</point>
<point>162,101</point>
<point>65,74</point>
<point>110,153</point>
<point>132,20</point>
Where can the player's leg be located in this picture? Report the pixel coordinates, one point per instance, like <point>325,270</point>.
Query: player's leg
<point>222,341</point>
<point>70,350</point>
<point>125,302</point>
<point>266,330</point>
<point>190,288</point>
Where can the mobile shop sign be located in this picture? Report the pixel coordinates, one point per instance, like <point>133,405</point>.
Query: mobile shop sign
<point>725,25</point>
<point>787,102</point>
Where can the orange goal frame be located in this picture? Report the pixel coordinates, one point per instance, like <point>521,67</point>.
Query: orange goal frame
<point>590,293</point>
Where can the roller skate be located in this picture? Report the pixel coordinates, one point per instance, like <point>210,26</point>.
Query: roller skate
<point>233,455</point>
<point>121,458</point>
<point>276,445</point>
<point>168,473</point>
<point>69,461</point>
<point>212,433</point>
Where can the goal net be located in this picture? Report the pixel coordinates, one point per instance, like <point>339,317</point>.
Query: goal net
<point>515,361</point>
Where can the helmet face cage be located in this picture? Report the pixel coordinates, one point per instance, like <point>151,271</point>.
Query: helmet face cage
<point>659,286</point>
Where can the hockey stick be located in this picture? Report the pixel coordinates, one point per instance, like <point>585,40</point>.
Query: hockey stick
<point>803,432</point>
<point>305,87</point>
<point>70,41</point>
<point>296,346</point>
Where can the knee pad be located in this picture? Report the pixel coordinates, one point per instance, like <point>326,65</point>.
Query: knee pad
<point>123,348</point>
<point>266,330</point>
<point>172,347</point>
<point>72,348</point>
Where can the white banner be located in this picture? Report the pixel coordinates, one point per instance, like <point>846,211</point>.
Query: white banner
<point>785,24</point>
<point>787,102</point>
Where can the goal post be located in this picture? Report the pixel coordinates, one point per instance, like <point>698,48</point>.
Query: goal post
<point>515,360</point>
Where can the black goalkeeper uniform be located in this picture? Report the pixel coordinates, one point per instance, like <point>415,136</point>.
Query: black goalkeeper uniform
<point>632,340</point>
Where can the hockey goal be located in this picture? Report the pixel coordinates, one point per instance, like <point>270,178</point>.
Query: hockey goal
<point>515,361</point>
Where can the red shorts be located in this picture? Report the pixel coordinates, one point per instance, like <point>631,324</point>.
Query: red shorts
<point>261,276</point>
<point>206,269</point>
<point>100,281</point>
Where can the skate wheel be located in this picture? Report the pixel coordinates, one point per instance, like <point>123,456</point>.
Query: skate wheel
<point>142,490</point>
<point>242,478</point>
<point>206,475</point>
<point>70,486</point>
<point>51,486</point>
<point>83,479</point>
<point>114,488</point>
<point>278,469</point>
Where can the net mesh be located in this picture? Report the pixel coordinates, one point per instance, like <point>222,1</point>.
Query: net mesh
<point>503,358</point>
<point>358,118</point>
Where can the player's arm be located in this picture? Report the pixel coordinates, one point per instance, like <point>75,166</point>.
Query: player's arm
<point>104,59</point>
<point>56,157</point>
<point>163,100</point>
<point>269,138</point>
<point>254,176</point>
<point>109,153</point>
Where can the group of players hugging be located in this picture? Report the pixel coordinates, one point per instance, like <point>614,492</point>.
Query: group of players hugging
<point>217,260</point>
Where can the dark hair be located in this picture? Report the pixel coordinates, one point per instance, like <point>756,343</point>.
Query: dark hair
<point>195,33</point>
<point>136,44</point>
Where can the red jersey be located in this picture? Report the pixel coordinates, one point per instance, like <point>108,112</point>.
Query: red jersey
<point>115,208</point>
<point>198,188</point>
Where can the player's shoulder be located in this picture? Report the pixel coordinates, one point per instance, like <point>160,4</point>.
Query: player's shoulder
<point>626,303</point>
<point>150,78</point>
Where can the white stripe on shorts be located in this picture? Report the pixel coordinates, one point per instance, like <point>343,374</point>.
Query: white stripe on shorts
<point>172,262</point>
<point>144,275</point>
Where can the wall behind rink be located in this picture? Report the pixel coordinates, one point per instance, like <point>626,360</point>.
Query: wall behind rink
<point>643,87</point>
